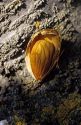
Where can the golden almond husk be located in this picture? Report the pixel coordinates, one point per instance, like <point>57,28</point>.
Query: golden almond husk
<point>42,53</point>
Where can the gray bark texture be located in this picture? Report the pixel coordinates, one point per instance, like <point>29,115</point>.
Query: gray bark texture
<point>57,99</point>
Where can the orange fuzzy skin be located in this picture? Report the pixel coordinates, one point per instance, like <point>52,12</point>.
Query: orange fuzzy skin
<point>42,53</point>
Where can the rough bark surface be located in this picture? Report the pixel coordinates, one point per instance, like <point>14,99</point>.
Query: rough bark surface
<point>56,100</point>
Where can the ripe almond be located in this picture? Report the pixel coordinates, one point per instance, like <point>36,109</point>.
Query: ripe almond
<point>42,53</point>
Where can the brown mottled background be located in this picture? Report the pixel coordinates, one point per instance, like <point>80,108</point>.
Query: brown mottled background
<point>57,100</point>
